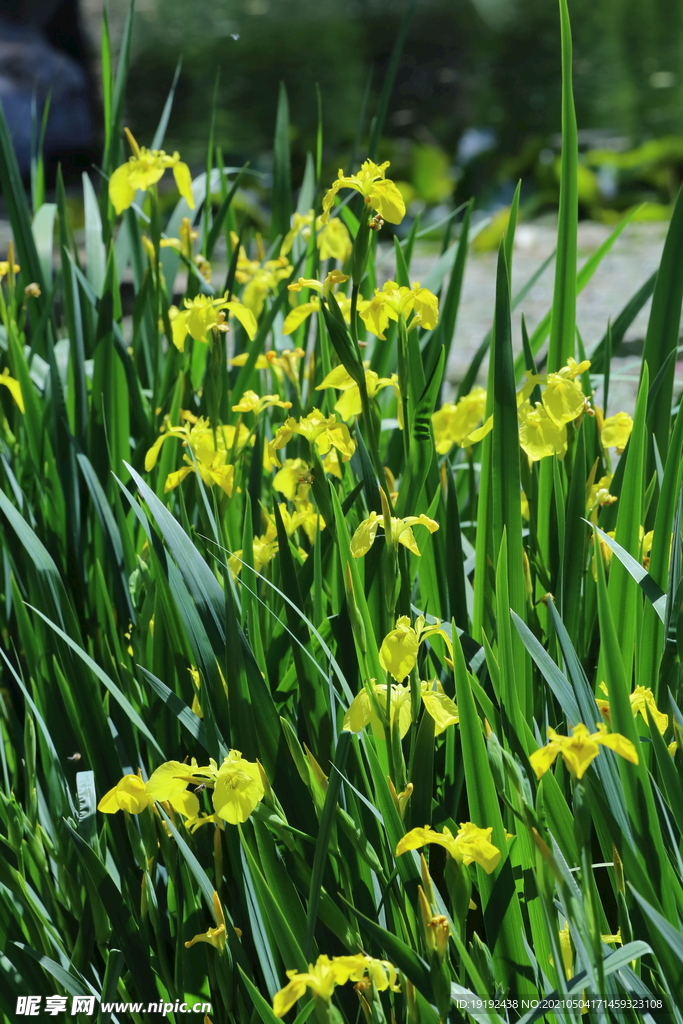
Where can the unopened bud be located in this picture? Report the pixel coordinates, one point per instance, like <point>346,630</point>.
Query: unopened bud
<point>32,290</point>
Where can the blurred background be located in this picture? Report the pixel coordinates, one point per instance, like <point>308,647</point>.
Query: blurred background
<point>477,99</point>
<point>476,104</point>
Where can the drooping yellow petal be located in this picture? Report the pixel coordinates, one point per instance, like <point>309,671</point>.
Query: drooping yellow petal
<point>616,742</point>
<point>121,192</point>
<point>245,317</point>
<point>563,399</point>
<point>183,180</point>
<point>168,781</point>
<point>364,537</point>
<point>359,713</point>
<point>616,430</point>
<point>440,707</point>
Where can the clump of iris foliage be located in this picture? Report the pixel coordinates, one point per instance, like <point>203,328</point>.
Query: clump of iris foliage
<point>324,698</point>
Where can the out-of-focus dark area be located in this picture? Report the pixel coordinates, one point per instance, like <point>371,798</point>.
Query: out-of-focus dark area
<point>476,104</point>
<point>45,61</point>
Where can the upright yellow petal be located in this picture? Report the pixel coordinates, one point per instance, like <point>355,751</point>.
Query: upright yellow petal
<point>183,180</point>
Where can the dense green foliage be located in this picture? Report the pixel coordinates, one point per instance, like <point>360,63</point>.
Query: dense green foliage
<point>195,563</point>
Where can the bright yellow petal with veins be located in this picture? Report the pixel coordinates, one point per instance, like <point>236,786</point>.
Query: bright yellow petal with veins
<point>398,653</point>
<point>387,200</point>
<point>245,317</point>
<point>441,708</point>
<point>563,399</point>
<point>183,180</point>
<point>186,803</point>
<point>364,537</point>
<point>407,538</point>
<point>153,453</point>
<point>479,434</point>
<point>419,837</point>
<point>121,192</point>
<point>179,331</point>
<point>359,713</point>
<point>168,781</point>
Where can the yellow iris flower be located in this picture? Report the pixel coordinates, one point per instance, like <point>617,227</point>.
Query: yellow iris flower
<point>283,364</point>
<point>580,749</point>
<point>398,653</point>
<point>325,432</point>
<point>401,532</point>
<point>211,450</point>
<point>5,266</point>
<point>350,402</point>
<point>251,402</point>
<point>215,937</point>
<point>293,479</point>
<point>539,435</point>
<point>237,784</point>
<point>323,977</point>
<point>453,423</point>
<point>469,845</point>
<point>300,313</point>
<point>131,794</point>
<point>642,700</point>
<point>332,239</point>
<point>616,430</point>
<point>143,169</point>
<point>392,302</point>
<point>379,193</point>
<point>260,278</point>
<point>436,703</point>
<point>203,314</point>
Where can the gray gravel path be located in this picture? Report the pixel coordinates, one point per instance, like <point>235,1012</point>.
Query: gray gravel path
<point>634,257</point>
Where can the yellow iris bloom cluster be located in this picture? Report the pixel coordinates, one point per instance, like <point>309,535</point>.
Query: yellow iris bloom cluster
<point>323,977</point>
<point>325,432</point>
<point>237,790</point>
<point>580,749</point>
<point>394,302</point>
<point>202,315</point>
<point>211,450</point>
<point>435,701</point>
<point>470,845</point>
<point>642,702</point>
<point>378,192</point>
<point>144,169</point>
<point>542,427</point>
<point>401,532</point>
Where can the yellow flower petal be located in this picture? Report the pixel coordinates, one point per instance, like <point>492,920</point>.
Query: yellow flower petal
<point>183,180</point>
<point>121,192</point>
